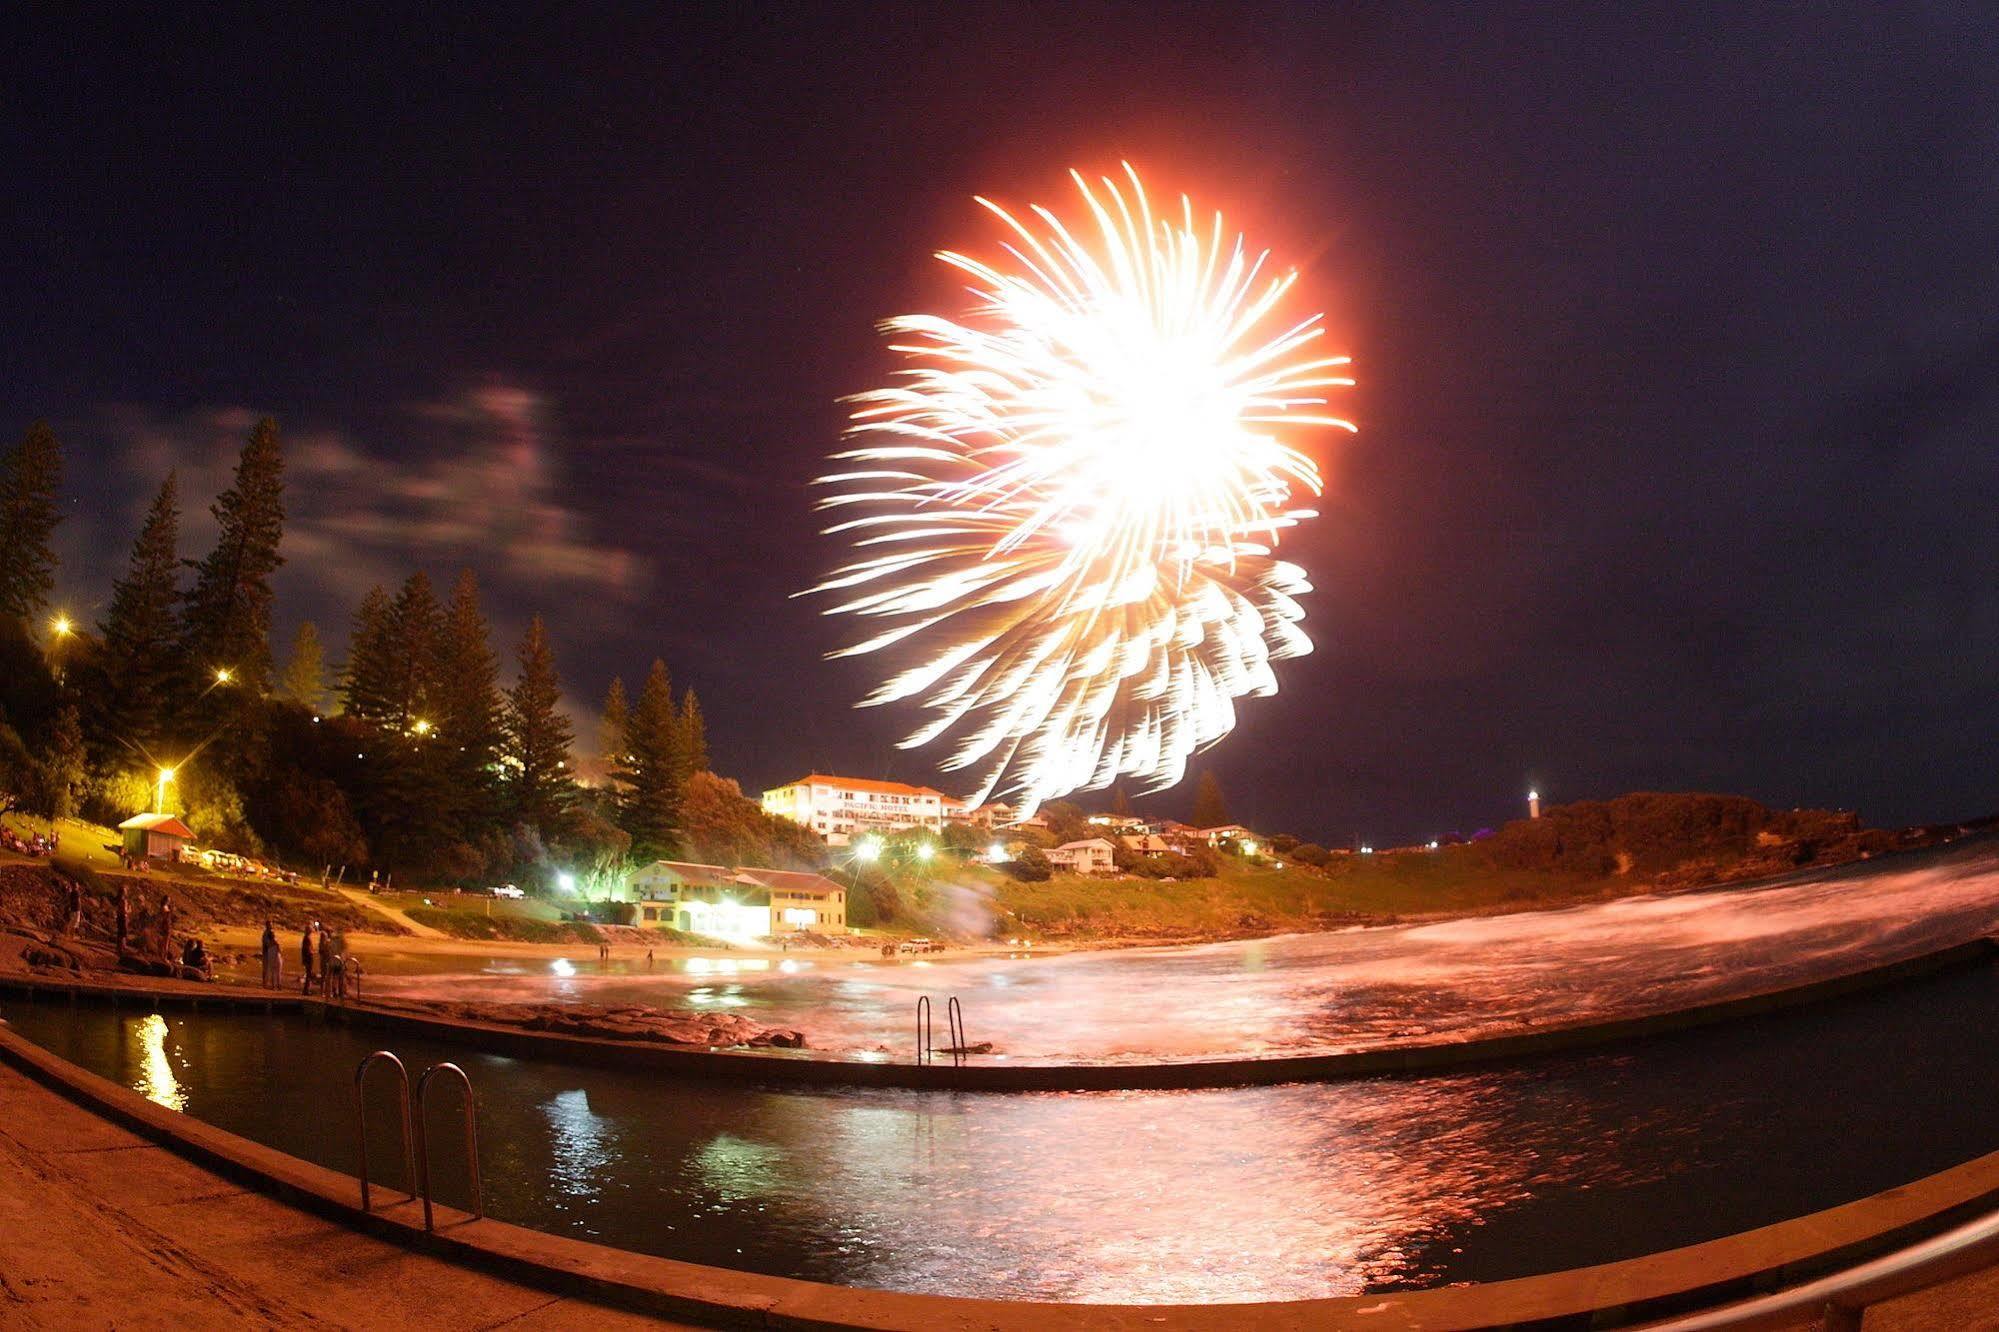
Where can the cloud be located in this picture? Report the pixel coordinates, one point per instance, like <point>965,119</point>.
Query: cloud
<point>475,481</point>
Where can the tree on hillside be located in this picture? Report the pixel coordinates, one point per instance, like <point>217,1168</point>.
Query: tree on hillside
<point>30,478</point>
<point>467,701</point>
<point>416,624</point>
<point>227,620</point>
<point>653,773</point>
<point>1210,809</point>
<point>1120,802</point>
<point>611,726</point>
<point>133,704</point>
<point>304,679</point>
<point>368,678</point>
<point>538,738</point>
<point>1066,821</point>
<point>65,768</point>
<point>693,737</point>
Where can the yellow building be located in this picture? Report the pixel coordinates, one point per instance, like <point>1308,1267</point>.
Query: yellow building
<point>737,902</point>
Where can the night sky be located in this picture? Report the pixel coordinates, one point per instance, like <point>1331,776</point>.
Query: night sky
<point>1677,333</point>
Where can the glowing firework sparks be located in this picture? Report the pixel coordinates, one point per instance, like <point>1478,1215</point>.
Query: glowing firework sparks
<point>1069,503</point>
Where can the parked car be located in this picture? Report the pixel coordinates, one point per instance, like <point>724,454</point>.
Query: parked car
<point>921,945</point>
<point>508,890</point>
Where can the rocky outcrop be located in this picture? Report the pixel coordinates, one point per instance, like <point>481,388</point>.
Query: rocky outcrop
<point>623,1022</point>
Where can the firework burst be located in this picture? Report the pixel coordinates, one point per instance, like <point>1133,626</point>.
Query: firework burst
<point>1067,504</point>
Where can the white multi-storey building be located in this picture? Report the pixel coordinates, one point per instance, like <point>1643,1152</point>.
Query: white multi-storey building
<point>837,808</point>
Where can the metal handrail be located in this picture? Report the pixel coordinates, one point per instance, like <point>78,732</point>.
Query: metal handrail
<point>1840,1299</point>
<point>361,1120</point>
<point>471,1140</point>
<point>923,1029</point>
<point>954,1013</point>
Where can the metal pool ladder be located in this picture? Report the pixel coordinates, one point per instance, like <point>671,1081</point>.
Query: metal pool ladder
<point>416,1139</point>
<point>954,1015</point>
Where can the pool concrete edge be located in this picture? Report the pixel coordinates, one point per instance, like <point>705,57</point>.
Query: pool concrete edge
<point>1605,1296</point>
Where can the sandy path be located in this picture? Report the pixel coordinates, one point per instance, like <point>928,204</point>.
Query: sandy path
<point>367,902</point>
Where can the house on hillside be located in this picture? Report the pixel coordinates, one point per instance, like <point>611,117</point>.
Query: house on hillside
<point>1227,832</point>
<point>155,836</point>
<point>737,902</point>
<point>1092,855</point>
<point>839,809</point>
<point>1146,844</point>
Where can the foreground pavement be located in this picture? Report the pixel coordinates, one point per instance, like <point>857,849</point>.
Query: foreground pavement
<point>100,1228</point>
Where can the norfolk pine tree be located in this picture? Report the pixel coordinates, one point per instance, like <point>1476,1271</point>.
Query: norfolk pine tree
<point>653,772</point>
<point>368,678</point>
<point>304,680</point>
<point>1210,810</point>
<point>30,478</point>
<point>227,620</point>
<point>538,737</point>
<point>132,710</point>
<point>693,738</point>
<point>468,707</point>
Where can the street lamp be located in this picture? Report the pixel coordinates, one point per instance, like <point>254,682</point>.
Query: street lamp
<point>166,775</point>
<point>867,849</point>
<point>924,851</point>
<point>60,629</point>
<point>222,675</point>
<point>422,727</point>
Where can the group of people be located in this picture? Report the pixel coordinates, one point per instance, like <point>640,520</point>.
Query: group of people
<point>34,844</point>
<point>324,966</point>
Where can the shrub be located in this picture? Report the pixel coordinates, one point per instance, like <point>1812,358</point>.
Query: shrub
<point>1031,866</point>
<point>1310,853</point>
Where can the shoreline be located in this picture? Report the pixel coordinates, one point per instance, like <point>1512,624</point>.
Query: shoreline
<point>756,1064</point>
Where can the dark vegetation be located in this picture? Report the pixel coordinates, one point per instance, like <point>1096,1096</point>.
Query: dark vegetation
<point>412,760</point>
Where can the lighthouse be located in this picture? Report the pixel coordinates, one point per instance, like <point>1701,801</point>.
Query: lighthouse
<point>1533,804</point>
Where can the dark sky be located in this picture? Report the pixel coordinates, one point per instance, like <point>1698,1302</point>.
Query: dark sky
<point>1677,333</point>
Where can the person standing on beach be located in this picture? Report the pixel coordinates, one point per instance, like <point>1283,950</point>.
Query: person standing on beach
<point>274,959</point>
<point>167,928</point>
<point>305,960</point>
<point>124,914</point>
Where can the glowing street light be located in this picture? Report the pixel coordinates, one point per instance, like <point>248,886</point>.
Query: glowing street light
<point>996,853</point>
<point>166,775</point>
<point>867,849</point>
<point>565,881</point>
<point>422,727</point>
<point>223,675</point>
<point>924,851</point>
<point>60,629</point>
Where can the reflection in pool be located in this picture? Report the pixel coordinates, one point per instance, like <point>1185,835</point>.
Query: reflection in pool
<point>1250,1194</point>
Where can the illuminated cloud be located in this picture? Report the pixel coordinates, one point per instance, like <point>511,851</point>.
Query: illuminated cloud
<point>473,480</point>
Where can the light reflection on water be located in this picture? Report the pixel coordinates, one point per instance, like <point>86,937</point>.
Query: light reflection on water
<point>580,1150</point>
<point>156,1081</point>
<point>1249,1194</point>
<point>1353,989</point>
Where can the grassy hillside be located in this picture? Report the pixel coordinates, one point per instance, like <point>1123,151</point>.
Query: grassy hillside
<point>1575,853</point>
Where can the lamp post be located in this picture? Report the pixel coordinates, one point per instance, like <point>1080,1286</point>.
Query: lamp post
<point>60,628</point>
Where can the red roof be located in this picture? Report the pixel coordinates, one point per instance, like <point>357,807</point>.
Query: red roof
<point>159,823</point>
<point>866,784</point>
<point>743,876</point>
<point>792,881</point>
